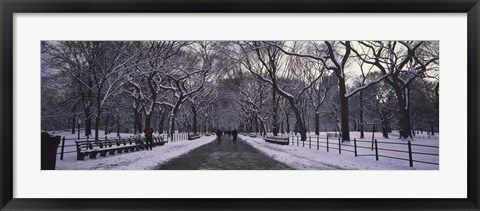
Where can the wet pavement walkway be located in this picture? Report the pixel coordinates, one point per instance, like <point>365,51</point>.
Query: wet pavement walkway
<point>224,155</point>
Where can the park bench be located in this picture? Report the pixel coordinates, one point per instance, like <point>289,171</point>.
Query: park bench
<point>253,135</point>
<point>102,147</point>
<point>193,136</point>
<point>334,135</point>
<point>158,141</point>
<point>277,140</point>
<point>207,134</point>
<point>141,141</point>
<point>112,146</point>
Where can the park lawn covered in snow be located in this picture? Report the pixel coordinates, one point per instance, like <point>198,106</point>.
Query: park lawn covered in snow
<point>138,160</point>
<point>304,157</point>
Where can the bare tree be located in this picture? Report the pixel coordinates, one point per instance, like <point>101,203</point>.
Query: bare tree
<point>402,62</point>
<point>188,76</point>
<point>264,60</point>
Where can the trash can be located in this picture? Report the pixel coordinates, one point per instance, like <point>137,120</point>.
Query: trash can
<point>48,154</point>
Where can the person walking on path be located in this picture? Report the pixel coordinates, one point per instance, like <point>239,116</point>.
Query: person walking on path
<point>234,134</point>
<point>219,134</point>
<point>149,137</point>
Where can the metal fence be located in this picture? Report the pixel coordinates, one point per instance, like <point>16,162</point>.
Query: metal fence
<point>377,149</point>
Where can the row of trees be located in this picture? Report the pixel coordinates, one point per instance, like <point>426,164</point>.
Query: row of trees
<point>257,86</point>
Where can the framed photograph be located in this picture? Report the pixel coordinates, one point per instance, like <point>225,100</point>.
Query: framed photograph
<point>239,105</point>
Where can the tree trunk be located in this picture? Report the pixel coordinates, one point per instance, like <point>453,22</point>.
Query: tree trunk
<point>287,120</point>
<point>194,112</point>
<point>402,98</point>
<point>301,126</point>
<point>275,120</point>
<point>172,123</point>
<point>256,124</point>
<point>296,128</point>
<point>136,119</point>
<point>362,135</point>
<point>263,129</point>
<point>303,119</point>
<point>298,117</point>
<point>118,125</point>
<point>107,122</point>
<point>88,112</point>
<point>97,119</point>
<point>148,120</point>
<point>317,123</point>
<point>97,126</point>
<point>74,118</point>
<point>162,122</point>
<point>205,125</point>
<point>168,125</point>
<point>325,123</point>
<point>344,110</point>
<point>385,126</point>
<point>354,120</point>
<point>88,121</point>
<point>172,127</point>
<point>252,125</point>
<point>140,128</point>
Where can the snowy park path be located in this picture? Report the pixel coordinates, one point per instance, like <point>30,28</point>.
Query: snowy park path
<point>138,160</point>
<point>224,155</point>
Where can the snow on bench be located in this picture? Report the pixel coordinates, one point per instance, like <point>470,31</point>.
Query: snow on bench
<point>334,135</point>
<point>277,140</point>
<point>193,136</point>
<point>102,147</point>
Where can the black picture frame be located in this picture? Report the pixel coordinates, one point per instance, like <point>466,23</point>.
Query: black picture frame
<point>9,7</point>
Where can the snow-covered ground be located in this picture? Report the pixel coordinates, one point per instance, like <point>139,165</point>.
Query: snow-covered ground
<point>304,157</point>
<point>138,160</point>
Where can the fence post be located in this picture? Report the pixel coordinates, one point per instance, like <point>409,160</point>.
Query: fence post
<point>297,140</point>
<point>327,143</point>
<point>376,149</point>
<point>339,146</point>
<point>309,142</point>
<point>355,146</point>
<point>63,147</point>
<point>318,143</point>
<point>410,154</point>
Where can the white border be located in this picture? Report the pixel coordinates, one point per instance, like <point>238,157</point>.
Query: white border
<point>450,181</point>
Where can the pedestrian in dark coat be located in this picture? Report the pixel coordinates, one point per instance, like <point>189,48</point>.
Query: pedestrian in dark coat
<point>149,137</point>
<point>219,134</point>
<point>234,134</point>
